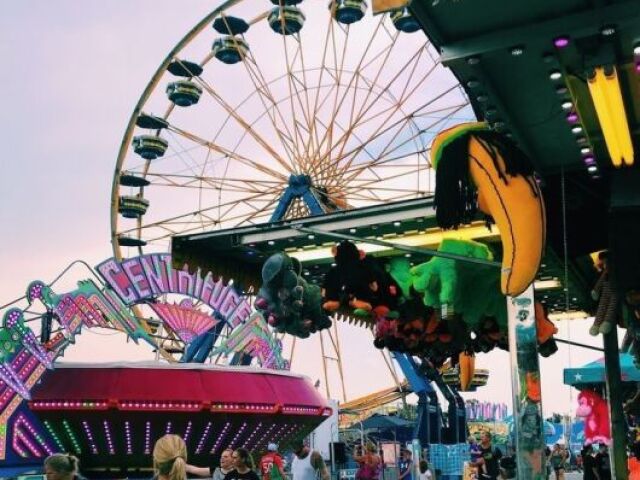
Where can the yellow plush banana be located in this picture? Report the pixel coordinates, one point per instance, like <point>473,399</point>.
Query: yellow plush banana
<point>477,168</point>
<point>467,367</point>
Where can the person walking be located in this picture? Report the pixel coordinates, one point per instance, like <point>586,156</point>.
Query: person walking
<point>558,461</point>
<point>603,463</point>
<point>405,465</point>
<point>271,464</point>
<point>215,473</point>
<point>61,466</point>
<point>425,472</point>
<point>307,464</point>
<point>370,464</point>
<point>242,466</point>
<point>588,463</point>
<point>170,458</point>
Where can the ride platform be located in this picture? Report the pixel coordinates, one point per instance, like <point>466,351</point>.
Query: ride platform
<point>110,415</point>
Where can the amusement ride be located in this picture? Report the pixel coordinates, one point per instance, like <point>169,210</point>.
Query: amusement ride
<point>293,172</point>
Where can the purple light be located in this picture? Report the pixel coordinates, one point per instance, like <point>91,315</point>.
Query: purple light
<point>561,41</point>
<point>572,117</point>
<point>589,160</point>
<point>638,67</point>
<point>147,438</point>
<point>107,432</point>
<point>203,438</point>
<point>127,428</point>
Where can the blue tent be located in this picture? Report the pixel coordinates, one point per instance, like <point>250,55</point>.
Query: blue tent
<point>594,372</point>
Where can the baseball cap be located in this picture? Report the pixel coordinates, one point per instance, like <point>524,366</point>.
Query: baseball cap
<point>272,447</point>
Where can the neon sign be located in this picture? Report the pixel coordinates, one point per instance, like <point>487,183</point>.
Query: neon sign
<point>255,338</point>
<point>142,279</point>
<point>139,280</point>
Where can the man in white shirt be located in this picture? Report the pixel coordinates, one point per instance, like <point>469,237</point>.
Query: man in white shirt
<point>307,464</point>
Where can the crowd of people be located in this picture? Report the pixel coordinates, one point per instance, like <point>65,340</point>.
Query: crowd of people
<point>490,463</point>
<point>170,462</point>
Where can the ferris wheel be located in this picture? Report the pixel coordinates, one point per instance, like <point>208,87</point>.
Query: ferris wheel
<point>299,95</point>
<point>281,109</point>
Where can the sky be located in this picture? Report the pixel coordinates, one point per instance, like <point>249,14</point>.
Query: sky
<point>72,72</point>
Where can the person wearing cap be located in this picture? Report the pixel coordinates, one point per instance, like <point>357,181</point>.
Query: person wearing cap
<point>271,464</point>
<point>307,464</point>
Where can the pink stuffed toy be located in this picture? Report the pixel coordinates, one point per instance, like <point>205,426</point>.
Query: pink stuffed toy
<point>594,410</point>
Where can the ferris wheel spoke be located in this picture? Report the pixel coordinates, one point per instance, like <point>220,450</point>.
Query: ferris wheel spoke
<point>384,155</point>
<point>418,133</point>
<point>313,135</point>
<point>357,75</point>
<point>342,142</point>
<point>228,153</point>
<point>370,183</point>
<point>353,118</point>
<point>184,155</point>
<point>177,180</point>
<point>382,131</point>
<point>264,92</point>
<point>256,197</point>
<point>360,118</point>
<point>233,113</point>
<point>375,188</point>
<point>362,196</point>
<point>260,212</point>
<point>337,105</point>
<point>338,67</point>
<point>316,166</point>
<point>289,62</point>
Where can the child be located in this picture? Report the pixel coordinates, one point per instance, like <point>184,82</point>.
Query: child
<point>476,455</point>
<point>425,473</point>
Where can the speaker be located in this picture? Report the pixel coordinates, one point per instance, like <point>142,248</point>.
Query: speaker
<point>338,452</point>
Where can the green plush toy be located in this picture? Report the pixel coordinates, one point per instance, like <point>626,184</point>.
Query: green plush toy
<point>469,289</point>
<point>400,269</point>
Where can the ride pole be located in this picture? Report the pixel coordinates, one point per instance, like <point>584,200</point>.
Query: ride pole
<point>525,383</point>
<point>614,396</point>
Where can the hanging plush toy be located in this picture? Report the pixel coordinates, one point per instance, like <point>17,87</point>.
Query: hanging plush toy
<point>400,269</point>
<point>594,410</point>
<point>545,330</point>
<point>360,283</point>
<point>488,336</point>
<point>477,168</point>
<point>468,289</point>
<point>287,301</point>
<point>608,301</point>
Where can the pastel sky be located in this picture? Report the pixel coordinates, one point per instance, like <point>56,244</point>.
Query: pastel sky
<point>72,72</point>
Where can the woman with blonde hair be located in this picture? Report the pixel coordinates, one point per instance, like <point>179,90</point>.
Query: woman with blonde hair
<point>370,464</point>
<point>170,458</point>
<point>61,466</point>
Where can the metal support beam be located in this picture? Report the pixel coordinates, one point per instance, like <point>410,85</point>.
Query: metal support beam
<point>579,25</point>
<point>576,344</point>
<point>618,454</point>
<point>403,248</point>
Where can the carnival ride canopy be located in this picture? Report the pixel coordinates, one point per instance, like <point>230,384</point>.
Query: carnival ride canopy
<point>594,372</point>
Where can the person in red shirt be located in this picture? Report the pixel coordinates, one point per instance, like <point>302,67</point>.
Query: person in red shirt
<point>269,460</point>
